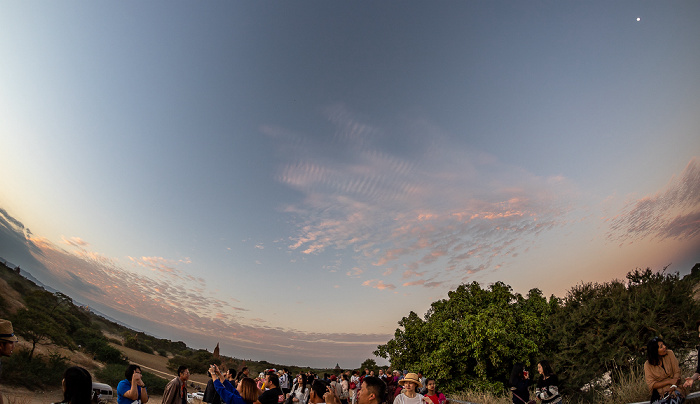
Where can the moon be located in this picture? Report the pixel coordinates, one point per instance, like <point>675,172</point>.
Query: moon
<point>639,19</point>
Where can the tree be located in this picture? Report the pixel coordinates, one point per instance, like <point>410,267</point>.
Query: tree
<point>370,364</point>
<point>45,320</point>
<point>609,324</point>
<point>472,339</point>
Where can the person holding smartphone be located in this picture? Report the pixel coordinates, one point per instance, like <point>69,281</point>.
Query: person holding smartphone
<point>520,383</point>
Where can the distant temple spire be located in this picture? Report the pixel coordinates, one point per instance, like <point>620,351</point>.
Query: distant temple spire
<point>216,351</point>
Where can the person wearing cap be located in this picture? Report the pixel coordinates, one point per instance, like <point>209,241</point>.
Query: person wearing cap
<point>409,395</point>
<point>7,343</point>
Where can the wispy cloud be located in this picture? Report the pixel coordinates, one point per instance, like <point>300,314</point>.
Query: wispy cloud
<point>74,241</point>
<point>378,284</point>
<point>673,212</point>
<point>399,201</point>
<point>166,295</point>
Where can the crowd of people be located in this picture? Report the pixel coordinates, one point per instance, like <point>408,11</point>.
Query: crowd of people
<point>276,387</point>
<point>661,371</point>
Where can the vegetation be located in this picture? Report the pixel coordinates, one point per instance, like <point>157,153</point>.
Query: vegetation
<point>471,340</point>
<point>39,372</point>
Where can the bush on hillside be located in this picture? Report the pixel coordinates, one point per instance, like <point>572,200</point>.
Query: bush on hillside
<point>38,372</point>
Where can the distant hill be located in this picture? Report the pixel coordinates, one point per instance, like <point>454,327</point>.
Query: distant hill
<point>20,282</point>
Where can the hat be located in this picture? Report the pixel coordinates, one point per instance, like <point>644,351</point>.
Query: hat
<point>7,334</point>
<point>411,377</point>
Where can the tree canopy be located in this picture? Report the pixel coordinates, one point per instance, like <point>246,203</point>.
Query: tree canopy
<point>472,339</point>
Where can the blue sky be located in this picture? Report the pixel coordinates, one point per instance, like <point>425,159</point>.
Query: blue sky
<point>291,178</point>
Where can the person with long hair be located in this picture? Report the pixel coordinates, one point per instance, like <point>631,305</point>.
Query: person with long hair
<point>77,386</point>
<point>520,383</point>
<point>245,393</point>
<point>300,394</point>
<point>433,396</point>
<point>344,390</point>
<point>248,390</point>
<point>661,371</point>
<point>548,384</point>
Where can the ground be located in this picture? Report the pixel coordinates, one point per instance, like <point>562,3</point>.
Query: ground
<point>152,363</point>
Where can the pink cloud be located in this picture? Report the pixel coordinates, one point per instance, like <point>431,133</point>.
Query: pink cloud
<point>378,284</point>
<point>434,209</point>
<point>74,241</point>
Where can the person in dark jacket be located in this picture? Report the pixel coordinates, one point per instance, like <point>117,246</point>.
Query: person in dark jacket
<point>519,384</point>
<point>210,394</point>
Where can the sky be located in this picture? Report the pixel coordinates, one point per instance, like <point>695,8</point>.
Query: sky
<point>290,179</point>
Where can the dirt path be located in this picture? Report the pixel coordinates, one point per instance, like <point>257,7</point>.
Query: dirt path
<point>158,365</point>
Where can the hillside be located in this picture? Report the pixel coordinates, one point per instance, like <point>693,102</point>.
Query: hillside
<point>162,355</point>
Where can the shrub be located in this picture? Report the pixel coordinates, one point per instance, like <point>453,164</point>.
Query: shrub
<point>39,371</point>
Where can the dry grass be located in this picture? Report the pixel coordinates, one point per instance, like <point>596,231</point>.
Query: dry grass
<point>631,388</point>
<point>17,400</point>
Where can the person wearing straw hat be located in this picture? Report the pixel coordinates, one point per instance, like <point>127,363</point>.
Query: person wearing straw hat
<point>409,395</point>
<point>7,343</point>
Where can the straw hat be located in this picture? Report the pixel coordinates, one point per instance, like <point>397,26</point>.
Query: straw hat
<point>411,377</point>
<point>7,334</point>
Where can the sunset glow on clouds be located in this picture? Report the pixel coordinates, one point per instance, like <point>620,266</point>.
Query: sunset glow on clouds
<point>290,180</point>
<point>393,212</point>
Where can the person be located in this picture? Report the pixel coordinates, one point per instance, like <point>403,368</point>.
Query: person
<point>7,343</point>
<point>273,394</point>
<point>373,391</point>
<point>548,384</point>
<point>245,393</point>
<point>77,386</point>
<point>344,391</point>
<point>210,394</point>
<point>284,381</point>
<point>690,380</point>
<point>132,389</point>
<point>661,371</point>
<point>520,383</point>
<point>409,395</point>
<point>301,390</point>
<point>248,390</point>
<point>243,373</point>
<point>423,382</point>
<point>433,396</point>
<point>319,388</point>
<point>176,390</point>
<point>354,386</point>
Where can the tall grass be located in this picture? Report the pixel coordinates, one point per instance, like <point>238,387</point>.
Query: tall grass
<point>629,387</point>
<point>17,399</point>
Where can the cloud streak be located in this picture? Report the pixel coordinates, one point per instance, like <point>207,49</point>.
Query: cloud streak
<point>165,295</point>
<point>430,209</point>
<point>673,212</point>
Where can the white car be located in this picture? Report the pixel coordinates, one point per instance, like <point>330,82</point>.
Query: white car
<point>192,397</point>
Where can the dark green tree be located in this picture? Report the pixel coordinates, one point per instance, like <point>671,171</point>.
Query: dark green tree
<point>472,339</point>
<point>47,318</point>
<point>369,364</point>
<point>604,325</point>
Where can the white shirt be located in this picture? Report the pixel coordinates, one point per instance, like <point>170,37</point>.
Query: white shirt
<point>404,399</point>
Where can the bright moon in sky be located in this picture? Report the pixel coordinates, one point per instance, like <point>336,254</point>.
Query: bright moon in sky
<point>639,19</point>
